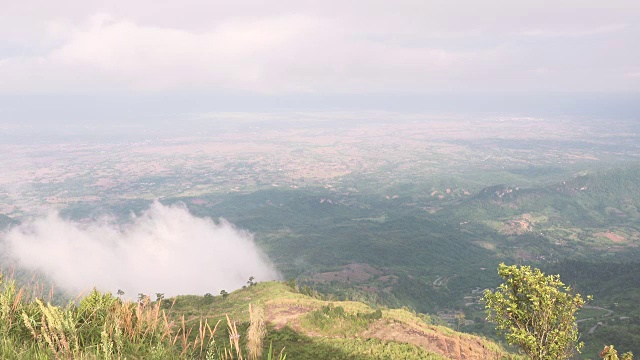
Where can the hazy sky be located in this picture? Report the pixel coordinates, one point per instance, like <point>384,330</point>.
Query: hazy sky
<point>248,52</point>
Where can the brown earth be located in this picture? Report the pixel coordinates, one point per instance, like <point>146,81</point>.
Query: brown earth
<point>454,346</point>
<point>391,278</point>
<point>611,236</point>
<point>517,226</point>
<point>286,315</point>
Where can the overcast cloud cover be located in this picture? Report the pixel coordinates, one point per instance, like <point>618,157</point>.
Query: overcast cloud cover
<point>254,49</point>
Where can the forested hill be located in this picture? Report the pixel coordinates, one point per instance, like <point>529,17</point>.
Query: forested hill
<point>594,198</point>
<point>615,286</point>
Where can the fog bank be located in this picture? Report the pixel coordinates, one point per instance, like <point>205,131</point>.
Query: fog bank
<point>163,250</point>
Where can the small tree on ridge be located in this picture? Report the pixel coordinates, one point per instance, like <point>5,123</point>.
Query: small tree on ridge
<point>535,312</point>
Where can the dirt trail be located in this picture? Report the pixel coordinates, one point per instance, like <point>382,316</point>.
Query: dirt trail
<point>454,346</point>
<point>282,315</point>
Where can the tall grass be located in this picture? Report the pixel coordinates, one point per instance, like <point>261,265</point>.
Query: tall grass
<point>102,326</point>
<point>257,332</point>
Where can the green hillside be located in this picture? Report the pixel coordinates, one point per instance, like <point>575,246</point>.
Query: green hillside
<point>309,328</point>
<point>614,314</point>
<point>266,320</point>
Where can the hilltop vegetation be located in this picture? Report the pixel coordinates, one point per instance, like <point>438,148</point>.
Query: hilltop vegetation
<point>101,326</point>
<point>311,328</point>
<point>535,312</point>
<point>288,324</point>
<point>98,326</point>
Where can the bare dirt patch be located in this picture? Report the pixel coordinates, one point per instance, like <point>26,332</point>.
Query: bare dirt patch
<point>611,236</point>
<point>285,315</point>
<point>453,346</point>
<point>517,226</point>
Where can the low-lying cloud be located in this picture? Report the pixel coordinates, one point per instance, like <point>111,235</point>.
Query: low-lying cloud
<point>165,249</point>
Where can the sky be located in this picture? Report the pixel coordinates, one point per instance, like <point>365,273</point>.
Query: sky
<point>110,60</point>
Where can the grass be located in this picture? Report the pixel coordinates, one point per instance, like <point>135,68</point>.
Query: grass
<point>326,348</point>
<point>311,328</point>
<point>264,321</point>
<point>102,326</point>
<point>335,321</point>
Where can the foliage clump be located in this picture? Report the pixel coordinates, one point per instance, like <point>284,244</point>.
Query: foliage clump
<point>535,312</point>
<point>609,353</point>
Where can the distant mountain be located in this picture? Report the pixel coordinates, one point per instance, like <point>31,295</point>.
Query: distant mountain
<point>589,198</point>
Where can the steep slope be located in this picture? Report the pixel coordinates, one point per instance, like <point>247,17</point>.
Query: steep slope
<point>309,328</point>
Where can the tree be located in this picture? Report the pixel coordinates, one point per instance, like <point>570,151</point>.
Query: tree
<point>224,294</point>
<point>142,298</point>
<point>292,284</point>
<point>460,319</point>
<point>609,353</point>
<point>159,296</point>
<point>535,312</point>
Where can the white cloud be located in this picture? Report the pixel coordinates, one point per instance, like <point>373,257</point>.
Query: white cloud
<point>329,47</point>
<point>599,30</point>
<point>153,58</point>
<point>289,53</point>
<point>166,249</point>
<point>539,70</point>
